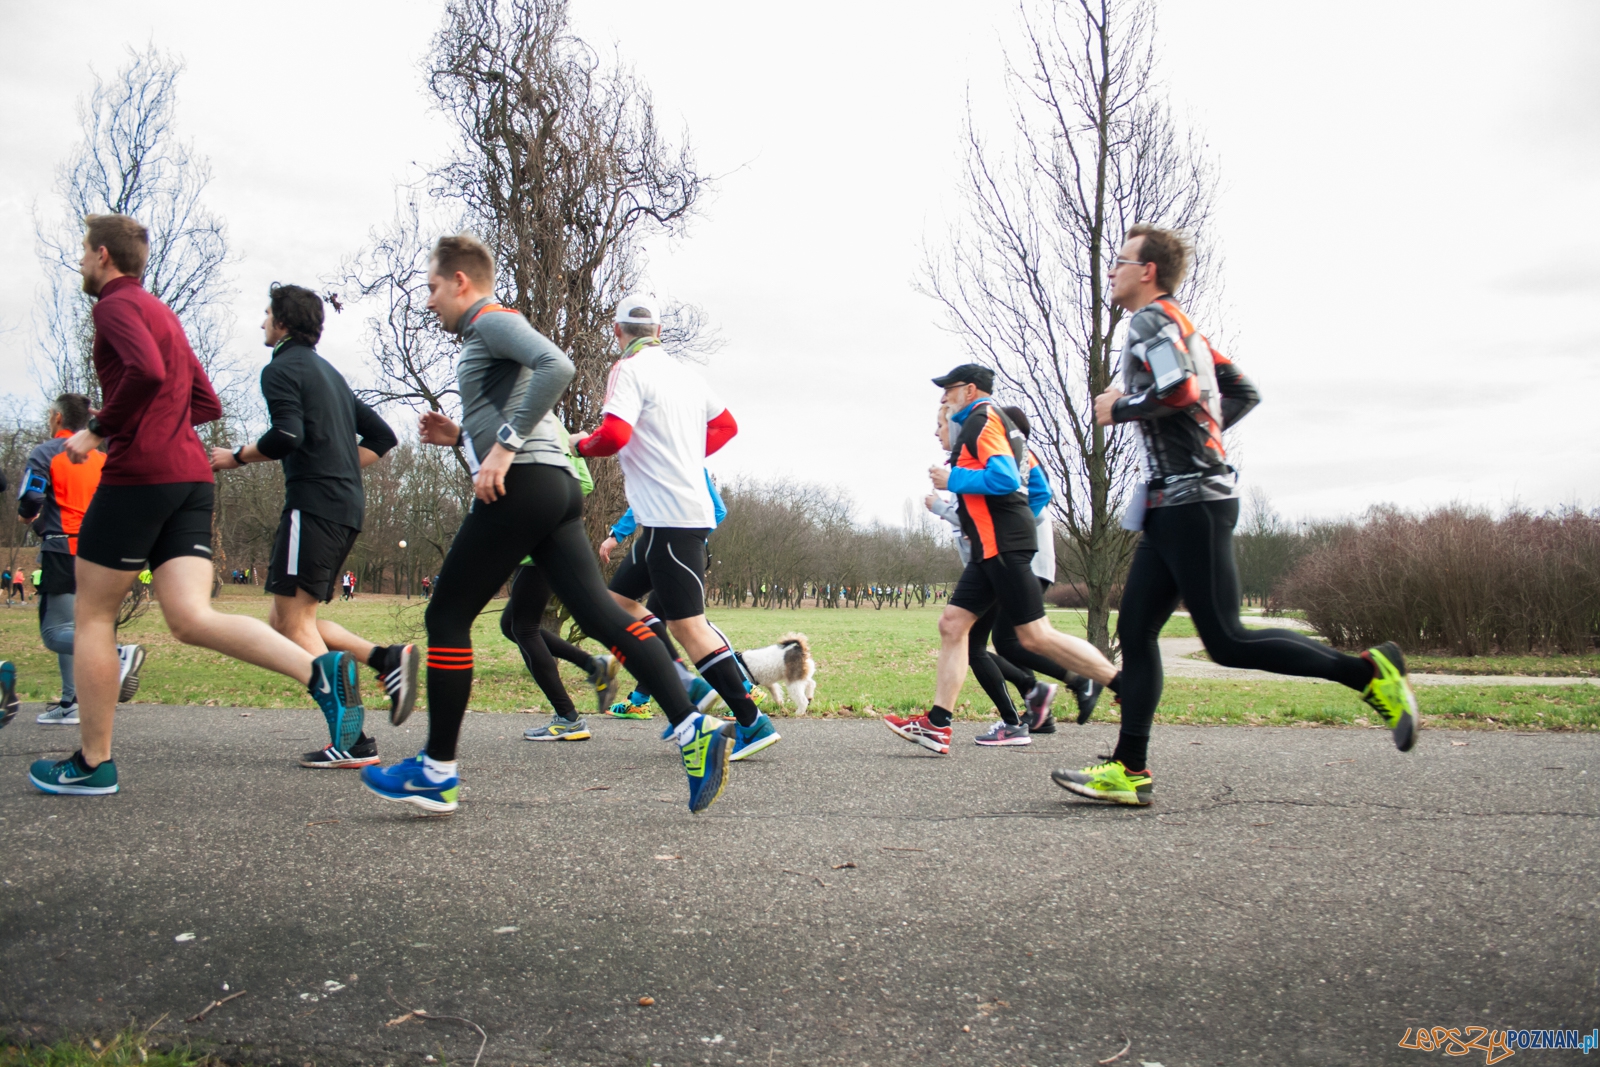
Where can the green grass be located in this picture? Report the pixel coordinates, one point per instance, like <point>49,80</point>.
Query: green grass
<point>127,1049</point>
<point>868,662</point>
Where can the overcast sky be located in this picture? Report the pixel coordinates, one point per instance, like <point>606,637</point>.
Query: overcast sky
<point>1407,210</point>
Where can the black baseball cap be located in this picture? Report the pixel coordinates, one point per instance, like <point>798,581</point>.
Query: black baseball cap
<point>968,374</point>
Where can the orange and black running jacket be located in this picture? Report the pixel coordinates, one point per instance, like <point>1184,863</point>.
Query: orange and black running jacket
<point>56,492</point>
<point>986,462</point>
<point>1181,423</point>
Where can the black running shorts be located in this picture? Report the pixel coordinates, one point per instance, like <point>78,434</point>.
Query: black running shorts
<point>60,573</point>
<point>1006,579</point>
<point>131,527</point>
<point>668,562</point>
<point>308,553</point>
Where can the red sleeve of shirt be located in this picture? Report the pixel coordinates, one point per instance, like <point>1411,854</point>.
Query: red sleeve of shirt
<point>720,430</point>
<point>204,406</point>
<point>119,323</point>
<point>607,440</point>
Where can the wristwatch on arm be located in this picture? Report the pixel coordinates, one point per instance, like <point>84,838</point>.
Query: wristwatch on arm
<point>509,437</point>
<point>94,427</point>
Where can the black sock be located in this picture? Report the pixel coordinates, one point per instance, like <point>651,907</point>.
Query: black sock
<point>1132,752</point>
<point>82,764</point>
<point>378,658</point>
<point>1115,685</point>
<point>722,673</point>
<point>939,717</point>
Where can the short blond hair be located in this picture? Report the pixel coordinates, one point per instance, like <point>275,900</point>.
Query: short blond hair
<point>123,238</point>
<point>465,253</point>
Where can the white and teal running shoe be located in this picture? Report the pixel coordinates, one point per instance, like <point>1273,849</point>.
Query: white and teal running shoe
<point>73,776</point>
<point>748,740</point>
<point>335,686</point>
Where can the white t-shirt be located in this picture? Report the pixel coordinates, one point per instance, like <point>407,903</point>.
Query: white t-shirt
<point>668,406</point>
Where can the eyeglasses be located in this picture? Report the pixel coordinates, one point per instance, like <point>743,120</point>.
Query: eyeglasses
<point>1115,263</point>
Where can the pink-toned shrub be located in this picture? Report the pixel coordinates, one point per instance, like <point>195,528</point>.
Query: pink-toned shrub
<point>1456,580</point>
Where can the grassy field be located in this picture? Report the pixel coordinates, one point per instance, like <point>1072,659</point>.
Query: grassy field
<point>868,662</point>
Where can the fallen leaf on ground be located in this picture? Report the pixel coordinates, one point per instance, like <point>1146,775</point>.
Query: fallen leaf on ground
<point>645,1002</point>
<point>1459,744</point>
<point>669,857</point>
<point>407,1017</point>
<point>843,866</point>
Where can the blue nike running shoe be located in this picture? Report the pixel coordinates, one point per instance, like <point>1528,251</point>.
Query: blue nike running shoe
<point>705,759</point>
<point>699,689</point>
<point>747,741</point>
<point>72,776</point>
<point>335,686</point>
<point>407,783</point>
<point>8,693</point>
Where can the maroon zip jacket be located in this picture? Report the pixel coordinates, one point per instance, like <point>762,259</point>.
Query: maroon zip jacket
<point>155,390</point>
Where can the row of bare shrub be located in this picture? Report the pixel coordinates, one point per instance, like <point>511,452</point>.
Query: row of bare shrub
<point>1456,580</point>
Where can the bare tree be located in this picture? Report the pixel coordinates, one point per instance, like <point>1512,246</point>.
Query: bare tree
<point>561,167</point>
<point>131,161</point>
<point>1023,279</point>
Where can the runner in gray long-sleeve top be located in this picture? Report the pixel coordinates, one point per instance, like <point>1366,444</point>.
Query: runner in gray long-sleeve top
<point>529,503</point>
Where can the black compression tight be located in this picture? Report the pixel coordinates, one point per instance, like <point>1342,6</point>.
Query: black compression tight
<point>530,594</point>
<point>984,667</point>
<point>541,516</point>
<point>1187,552</point>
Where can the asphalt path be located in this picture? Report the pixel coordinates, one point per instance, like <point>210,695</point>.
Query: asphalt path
<point>1295,896</point>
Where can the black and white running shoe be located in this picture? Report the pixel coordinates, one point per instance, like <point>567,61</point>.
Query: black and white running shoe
<point>1088,693</point>
<point>363,753</point>
<point>129,658</point>
<point>399,675</point>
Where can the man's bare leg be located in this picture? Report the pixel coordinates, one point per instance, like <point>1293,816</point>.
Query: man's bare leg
<point>295,617</point>
<point>1071,652</point>
<point>94,649</point>
<point>954,624</point>
<point>183,587</point>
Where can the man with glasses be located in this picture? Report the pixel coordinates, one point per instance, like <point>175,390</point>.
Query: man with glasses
<point>1182,394</point>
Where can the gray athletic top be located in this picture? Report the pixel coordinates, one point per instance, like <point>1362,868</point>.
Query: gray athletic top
<point>510,374</point>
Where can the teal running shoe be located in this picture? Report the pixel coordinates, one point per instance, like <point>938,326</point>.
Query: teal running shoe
<point>747,741</point>
<point>8,693</point>
<point>703,697</point>
<point>559,729</point>
<point>335,686</point>
<point>73,776</point>
<point>704,743</point>
<point>637,706</point>
<point>407,783</point>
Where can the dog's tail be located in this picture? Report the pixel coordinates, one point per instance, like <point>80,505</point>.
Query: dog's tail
<point>796,639</point>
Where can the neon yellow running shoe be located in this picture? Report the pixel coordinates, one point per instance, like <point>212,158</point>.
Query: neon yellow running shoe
<point>1110,782</point>
<point>1389,693</point>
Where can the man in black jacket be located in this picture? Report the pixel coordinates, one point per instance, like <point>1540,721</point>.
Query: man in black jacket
<point>324,436</point>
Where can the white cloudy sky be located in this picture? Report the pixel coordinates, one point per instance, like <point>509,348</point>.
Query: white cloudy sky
<point>1408,209</point>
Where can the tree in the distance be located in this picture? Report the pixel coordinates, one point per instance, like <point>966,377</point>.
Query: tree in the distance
<point>131,161</point>
<point>1023,278</point>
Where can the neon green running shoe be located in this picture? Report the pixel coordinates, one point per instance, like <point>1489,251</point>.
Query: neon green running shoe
<point>1389,693</point>
<point>705,744</point>
<point>1109,781</point>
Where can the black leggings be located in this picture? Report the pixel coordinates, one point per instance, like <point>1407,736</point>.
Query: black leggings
<point>520,622</point>
<point>989,673</point>
<point>541,515</point>
<point>1187,552</point>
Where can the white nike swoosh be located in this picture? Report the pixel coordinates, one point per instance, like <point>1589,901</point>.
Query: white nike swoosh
<point>411,789</point>
<point>326,688</point>
<point>64,780</point>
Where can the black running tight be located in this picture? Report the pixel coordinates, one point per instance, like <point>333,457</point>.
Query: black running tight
<point>541,515</point>
<point>1187,553</point>
<point>520,621</point>
<point>985,669</point>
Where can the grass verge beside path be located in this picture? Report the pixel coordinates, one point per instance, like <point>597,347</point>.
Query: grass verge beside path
<point>130,1048</point>
<point>1531,666</point>
<point>868,662</point>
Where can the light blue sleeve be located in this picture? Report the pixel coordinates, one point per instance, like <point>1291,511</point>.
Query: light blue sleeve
<point>1039,492</point>
<point>718,508</point>
<point>998,478</point>
<point>625,525</point>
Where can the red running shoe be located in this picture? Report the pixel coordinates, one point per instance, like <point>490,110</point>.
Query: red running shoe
<point>921,731</point>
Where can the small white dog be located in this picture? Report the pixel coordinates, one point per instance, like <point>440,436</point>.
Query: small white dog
<point>787,663</point>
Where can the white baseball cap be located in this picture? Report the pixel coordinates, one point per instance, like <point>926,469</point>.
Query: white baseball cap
<point>639,309</point>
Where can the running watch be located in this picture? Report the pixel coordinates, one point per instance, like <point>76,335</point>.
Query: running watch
<point>509,437</point>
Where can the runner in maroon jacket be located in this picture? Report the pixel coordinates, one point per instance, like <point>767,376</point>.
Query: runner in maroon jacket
<point>153,509</point>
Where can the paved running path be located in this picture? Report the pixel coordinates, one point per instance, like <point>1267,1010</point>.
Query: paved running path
<point>1297,896</point>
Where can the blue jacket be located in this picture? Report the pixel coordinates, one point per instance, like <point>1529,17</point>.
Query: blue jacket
<point>999,475</point>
